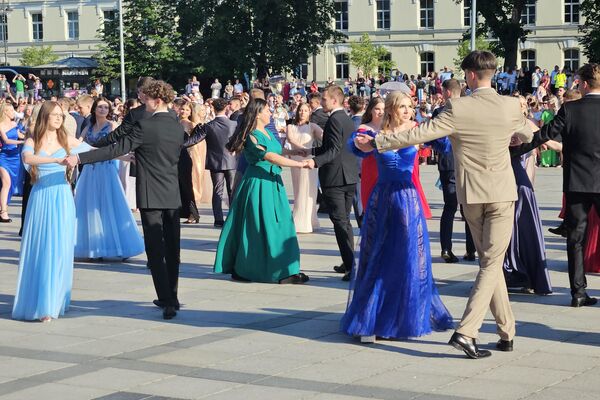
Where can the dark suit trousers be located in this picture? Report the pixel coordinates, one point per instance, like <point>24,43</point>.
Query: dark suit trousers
<point>578,207</point>
<point>450,207</point>
<point>161,238</point>
<point>339,202</point>
<point>221,180</point>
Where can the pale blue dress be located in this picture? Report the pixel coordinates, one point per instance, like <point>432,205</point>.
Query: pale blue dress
<point>46,259</point>
<point>105,224</point>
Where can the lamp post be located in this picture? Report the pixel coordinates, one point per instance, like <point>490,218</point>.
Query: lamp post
<point>122,51</point>
<point>473,25</point>
<point>4,10</point>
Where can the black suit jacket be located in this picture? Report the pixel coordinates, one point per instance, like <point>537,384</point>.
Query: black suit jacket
<point>445,160</point>
<point>134,115</point>
<point>578,124</point>
<point>157,142</point>
<point>216,133</point>
<point>319,117</point>
<point>337,165</point>
<point>81,123</point>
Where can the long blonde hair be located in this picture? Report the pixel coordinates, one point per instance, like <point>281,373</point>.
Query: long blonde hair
<point>391,112</point>
<point>39,131</point>
<point>3,106</point>
<point>196,116</point>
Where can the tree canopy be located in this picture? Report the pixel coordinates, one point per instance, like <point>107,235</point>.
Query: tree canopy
<point>152,41</point>
<point>502,21</point>
<point>367,56</point>
<point>590,11</point>
<point>37,55</point>
<point>464,48</point>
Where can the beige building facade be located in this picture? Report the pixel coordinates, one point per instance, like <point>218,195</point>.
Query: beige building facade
<point>70,26</point>
<point>423,35</point>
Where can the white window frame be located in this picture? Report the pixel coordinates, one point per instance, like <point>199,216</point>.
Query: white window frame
<point>425,63</point>
<point>344,66</point>
<point>341,18</point>
<point>569,61</point>
<point>530,63</point>
<point>40,24</point>
<point>529,15</point>
<point>569,5</point>
<point>3,27</point>
<point>467,11</point>
<point>75,23</point>
<point>383,15</point>
<point>429,14</point>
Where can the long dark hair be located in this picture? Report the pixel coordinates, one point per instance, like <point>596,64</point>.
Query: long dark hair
<point>237,141</point>
<point>297,116</point>
<point>95,105</point>
<point>368,115</point>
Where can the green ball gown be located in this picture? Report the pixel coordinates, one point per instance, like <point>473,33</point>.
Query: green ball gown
<point>258,241</point>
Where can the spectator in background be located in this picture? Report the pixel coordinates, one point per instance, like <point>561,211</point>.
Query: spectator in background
<point>216,89</point>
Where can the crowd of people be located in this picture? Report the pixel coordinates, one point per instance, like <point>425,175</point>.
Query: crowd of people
<point>97,162</point>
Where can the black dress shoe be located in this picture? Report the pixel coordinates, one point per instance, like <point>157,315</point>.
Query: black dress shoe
<point>449,257</point>
<point>583,301</point>
<point>560,230</point>
<point>169,312</point>
<point>504,345</point>
<point>468,345</point>
<point>161,304</point>
<point>469,257</point>
<point>296,279</point>
<point>347,276</point>
<point>219,224</point>
<point>340,269</point>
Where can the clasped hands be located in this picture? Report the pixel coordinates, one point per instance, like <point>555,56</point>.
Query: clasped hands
<point>308,164</point>
<point>363,142</point>
<point>70,161</point>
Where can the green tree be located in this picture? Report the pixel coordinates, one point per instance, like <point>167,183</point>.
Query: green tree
<point>502,21</point>
<point>230,37</point>
<point>367,56</point>
<point>590,11</point>
<point>151,40</point>
<point>464,48</point>
<point>37,55</point>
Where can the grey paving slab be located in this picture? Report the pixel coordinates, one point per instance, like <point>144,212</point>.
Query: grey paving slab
<point>261,341</point>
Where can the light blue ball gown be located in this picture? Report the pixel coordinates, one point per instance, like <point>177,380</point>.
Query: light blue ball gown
<point>105,224</point>
<point>46,259</point>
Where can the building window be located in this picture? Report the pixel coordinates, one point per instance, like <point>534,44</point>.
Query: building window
<point>383,14</point>
<point>426,14</point>
<point>386,60</point>
<point>38,27</point>
<point>467,4</point>
<point>3,28</point>
<point>109,17</point>
<point>571,11</point>
<point>341,15</point>
<point>527,60</point>
<point>342,70</point>
<point>427,64</point>
<point>572,59</point>
<point>73,25</point>
<point>528,15</point>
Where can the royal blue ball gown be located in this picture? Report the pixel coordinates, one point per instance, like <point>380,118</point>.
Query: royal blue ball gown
<point>392,293</point>
<point>46,258</point>
<point>105,224</point>
<point>10,160</point>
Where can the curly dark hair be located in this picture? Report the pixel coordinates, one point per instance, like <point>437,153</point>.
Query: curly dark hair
<point>159,90</point>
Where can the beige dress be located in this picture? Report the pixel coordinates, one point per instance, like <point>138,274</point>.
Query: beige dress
<point>201,182</point>
<point>304,181</point>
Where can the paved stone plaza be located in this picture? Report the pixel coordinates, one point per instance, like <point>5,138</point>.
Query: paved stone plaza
<point>258,341</point>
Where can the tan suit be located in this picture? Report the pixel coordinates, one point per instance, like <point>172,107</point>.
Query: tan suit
<point>480,128</point>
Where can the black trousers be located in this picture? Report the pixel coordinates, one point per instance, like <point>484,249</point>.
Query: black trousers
<point>450,207</point>
<point>26,193</point>
<point>221,180</point>
<point>578,206</point>
<point>339,202</point>
<point>161,238</point>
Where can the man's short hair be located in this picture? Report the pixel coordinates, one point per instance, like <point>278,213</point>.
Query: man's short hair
<point>483,63</point>
<point>219,104</point>
<point>590,73</point>
<point>159,90</point>
<point>356,103</point>
<point>572,94</point>
<point>335,91</point>
<point>315,96</point>
<point>85,99</point>
<point>257,94</point>
<point>453,86</point>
